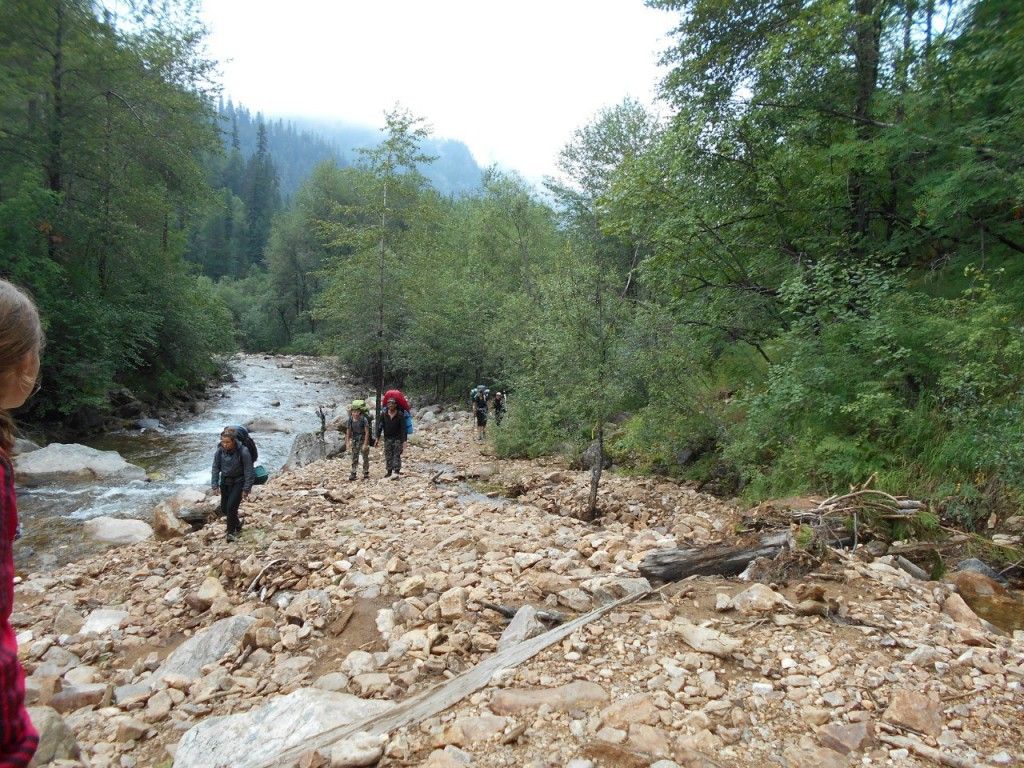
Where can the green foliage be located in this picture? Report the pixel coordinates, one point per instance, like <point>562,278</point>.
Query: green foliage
<point>103,130</point>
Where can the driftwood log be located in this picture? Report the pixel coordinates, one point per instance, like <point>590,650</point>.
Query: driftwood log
<point>722,560</point>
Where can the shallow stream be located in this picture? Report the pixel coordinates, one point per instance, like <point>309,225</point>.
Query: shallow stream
<point>179,455</point>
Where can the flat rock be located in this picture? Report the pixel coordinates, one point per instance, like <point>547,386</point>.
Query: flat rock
<point>206,647</point>
<point>62,462</point>
<point>360,749</point>
<point>470,730</point>
<point>707,640</point>
<point>915,711</point>
<point>118,530</point>
<point>252,738</point>
<point>576,695</point>
<point>103,620</point>
<point>847,737</point>
<point>78,696</point>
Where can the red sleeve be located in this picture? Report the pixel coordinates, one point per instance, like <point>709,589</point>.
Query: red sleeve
<point>18,737</point>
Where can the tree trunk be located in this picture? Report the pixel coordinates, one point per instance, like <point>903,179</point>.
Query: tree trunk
<point>675,564</point>
<point>867,40</point>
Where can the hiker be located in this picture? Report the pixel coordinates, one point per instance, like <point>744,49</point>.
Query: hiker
<point>480,411</point>
<point>21,342</point>
<point>232,478</point>
<point>499,407</point>
<point>357,438</point>
<point>392,427</point>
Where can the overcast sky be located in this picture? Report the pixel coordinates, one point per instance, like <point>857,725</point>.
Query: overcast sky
<point>513,80</point>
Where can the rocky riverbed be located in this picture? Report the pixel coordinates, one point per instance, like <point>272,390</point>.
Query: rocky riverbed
<point>344,601</point>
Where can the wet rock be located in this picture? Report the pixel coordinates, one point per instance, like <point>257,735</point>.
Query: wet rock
<point>61,463</point>
<point>974,565</point>
<point>116,530</point>
<point>576,695</point>
<point>249,739</point>
<point>206,647</point>
<point>261,424</point>
<point>915,711</point>
<point>523,626</point>
<point>56,740</point>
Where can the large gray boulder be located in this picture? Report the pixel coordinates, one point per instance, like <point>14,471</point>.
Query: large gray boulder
<point>310,447</point>
<point>62,462</point>
<point>263,424</point>
<point>207,647</point>
<point>252,738</point>
<point>118,530</point>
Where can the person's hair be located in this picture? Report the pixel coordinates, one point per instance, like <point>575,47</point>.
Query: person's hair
<point>21,333</point>
<point>232,433</point>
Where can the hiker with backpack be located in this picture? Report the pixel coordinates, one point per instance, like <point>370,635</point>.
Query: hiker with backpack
<point>392,427</point>
<point>480,411</point>
<point>232,478</point>
<point>357,438</point>
<point>499,407</point>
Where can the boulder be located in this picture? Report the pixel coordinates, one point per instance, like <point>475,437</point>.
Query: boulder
<point>118,530</point>
<point>261,424</point>
<point>166,524</point>
<point>252,738</point>
<point>61,463</point>
<point>21,446</point>
<point>56,740</point>
<point>310,447</point>
<point>207,647</point>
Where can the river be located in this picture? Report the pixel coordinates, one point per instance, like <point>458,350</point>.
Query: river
<point>179,455</point>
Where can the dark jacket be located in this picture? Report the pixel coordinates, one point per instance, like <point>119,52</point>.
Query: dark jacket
<point>231,466</point>
<point>392,427</point>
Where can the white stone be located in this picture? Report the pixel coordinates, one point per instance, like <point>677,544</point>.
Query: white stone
<point>103,620</point>
<point>206,647</point>
<point>117,530</point>
<point>254,738</point>
<point>61,462</point>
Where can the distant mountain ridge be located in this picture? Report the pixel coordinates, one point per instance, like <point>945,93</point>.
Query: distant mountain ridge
<point>297,145</point>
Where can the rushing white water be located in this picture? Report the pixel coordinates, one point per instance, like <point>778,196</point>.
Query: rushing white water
<point>179,455</point>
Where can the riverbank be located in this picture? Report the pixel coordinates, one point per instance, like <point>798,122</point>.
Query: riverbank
<point>281,392</point>
<point>382,590</point>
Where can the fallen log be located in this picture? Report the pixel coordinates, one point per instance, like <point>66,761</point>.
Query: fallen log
<point>721,560</point>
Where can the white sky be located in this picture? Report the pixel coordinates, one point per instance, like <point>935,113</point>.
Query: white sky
<point>513,80</point>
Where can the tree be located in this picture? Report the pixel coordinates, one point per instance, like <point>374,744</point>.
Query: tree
<point>390,195</point>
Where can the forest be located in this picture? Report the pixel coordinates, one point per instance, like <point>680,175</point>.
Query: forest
<point>807,276</point>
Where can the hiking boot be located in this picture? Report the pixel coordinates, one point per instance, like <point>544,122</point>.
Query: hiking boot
<point>352,477</point>
<point>387,474</point>
<point>366,476</point>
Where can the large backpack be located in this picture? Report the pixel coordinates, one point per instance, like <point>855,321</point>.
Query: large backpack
<point>246,439</point>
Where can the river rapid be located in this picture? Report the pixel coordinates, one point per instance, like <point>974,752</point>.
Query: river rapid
<point>179,455</point>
